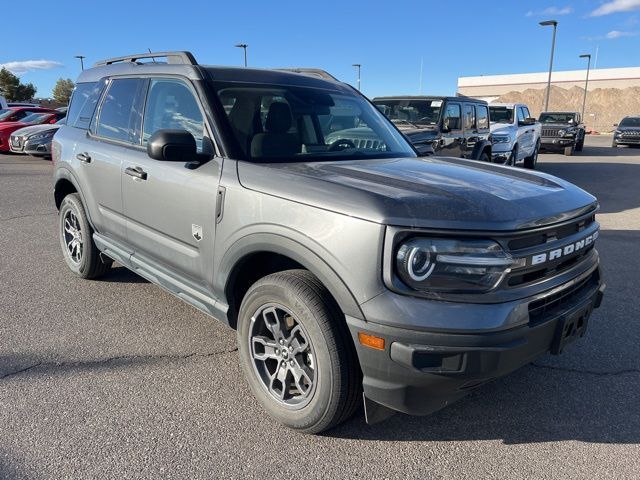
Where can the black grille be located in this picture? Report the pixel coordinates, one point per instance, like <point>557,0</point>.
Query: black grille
<point>538,308</point>
<point>550,132</point>
<point>540,238</point>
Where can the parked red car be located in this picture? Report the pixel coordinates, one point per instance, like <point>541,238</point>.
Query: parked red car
<point>16,114</point>
<point>40,117</point>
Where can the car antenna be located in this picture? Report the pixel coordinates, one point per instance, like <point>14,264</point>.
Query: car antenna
<point>154,60</point>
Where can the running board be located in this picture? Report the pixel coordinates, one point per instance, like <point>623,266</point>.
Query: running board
<point>375,412</point>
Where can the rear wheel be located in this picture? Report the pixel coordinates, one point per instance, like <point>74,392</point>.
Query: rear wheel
<point>296,352</point>
<point>76,239</point>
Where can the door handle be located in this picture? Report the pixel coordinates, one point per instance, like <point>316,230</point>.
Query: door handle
<point>84,157</point>
<point>136,172</point>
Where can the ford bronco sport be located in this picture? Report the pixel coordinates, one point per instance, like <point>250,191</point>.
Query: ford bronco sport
<point>351,270</point>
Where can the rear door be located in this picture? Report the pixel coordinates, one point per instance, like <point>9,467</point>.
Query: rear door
<point>452,133</point>
<point>169,206</point>
<point>470,130</point>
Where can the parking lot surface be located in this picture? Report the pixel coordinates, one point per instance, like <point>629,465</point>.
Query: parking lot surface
<point>117,379</point>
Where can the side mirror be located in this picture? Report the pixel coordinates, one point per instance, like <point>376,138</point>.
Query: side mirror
<point>528,121</point>
<point>445,126</point>
<point>172,146</point>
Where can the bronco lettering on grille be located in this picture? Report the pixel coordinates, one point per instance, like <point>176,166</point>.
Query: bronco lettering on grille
<point>563,251</point>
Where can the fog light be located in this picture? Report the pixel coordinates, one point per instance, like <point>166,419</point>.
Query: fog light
<point>371,341</point>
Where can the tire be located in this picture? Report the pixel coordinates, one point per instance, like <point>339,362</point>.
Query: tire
<point>580,145</point>
<point>531,161</point>
<point>82,257</point>
<point>484,157</point>
<point>568,151</point>
<point>333,383</point>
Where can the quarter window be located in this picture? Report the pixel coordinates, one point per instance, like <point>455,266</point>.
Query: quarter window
<point>117,112</point>
<point>83,104</point>
<point>483,116</point>
<point>172,105</point>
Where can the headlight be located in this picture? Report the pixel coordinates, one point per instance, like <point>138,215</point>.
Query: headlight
<point>39,136</point>
<point>500,138</point>
<point>435,265</point>
<point>561,132</point>
<point>618,132</point>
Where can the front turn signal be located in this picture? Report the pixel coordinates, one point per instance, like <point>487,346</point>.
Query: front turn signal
<point>371,341</point>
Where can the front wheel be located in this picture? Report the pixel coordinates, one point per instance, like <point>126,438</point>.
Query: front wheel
<point>296,352</point>
<point>568,151</point>
<point>531,161</point>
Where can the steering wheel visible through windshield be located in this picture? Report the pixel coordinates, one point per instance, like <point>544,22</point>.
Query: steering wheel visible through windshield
<point>298,124</point>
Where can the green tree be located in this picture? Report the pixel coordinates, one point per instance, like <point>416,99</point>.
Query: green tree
<point>62,90</point>
<point>13,88</point>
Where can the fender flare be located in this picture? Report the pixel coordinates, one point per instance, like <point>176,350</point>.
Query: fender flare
<point>282,245</point>
<point>62,173</point>
<point>479,147</point>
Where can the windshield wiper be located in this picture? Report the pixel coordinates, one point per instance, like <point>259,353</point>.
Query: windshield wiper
<point>395,120</point>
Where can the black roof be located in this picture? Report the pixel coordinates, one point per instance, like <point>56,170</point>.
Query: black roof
<point>431,97</point>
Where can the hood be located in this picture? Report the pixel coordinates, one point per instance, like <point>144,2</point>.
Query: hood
<point>33,129</point>
<point>496,127</point>
<point>433,192</point>
<point>559,125</point>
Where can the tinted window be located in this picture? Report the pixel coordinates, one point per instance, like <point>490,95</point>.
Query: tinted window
<point>501,114</point>
<point>172,105</point>
<point>83,104</point>
<point>117,111</point>
<point>469,117</point>
<point>418,112</point>
<point>452,117</point>
<point>483,116</point>
<point>630,122</point>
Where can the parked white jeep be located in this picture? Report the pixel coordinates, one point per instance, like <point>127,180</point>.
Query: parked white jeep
<point>515,134</point>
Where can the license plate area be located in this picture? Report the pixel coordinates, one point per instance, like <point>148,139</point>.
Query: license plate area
<point>570,327</point>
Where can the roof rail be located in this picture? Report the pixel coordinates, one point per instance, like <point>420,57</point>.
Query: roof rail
<point>314,72</point>
<point>184,58</point>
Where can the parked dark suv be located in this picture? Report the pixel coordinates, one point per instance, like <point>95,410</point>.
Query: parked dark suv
<point>346,266</point>
<point>446,126</point>
<point>562,131</point>
<point>627,132</point>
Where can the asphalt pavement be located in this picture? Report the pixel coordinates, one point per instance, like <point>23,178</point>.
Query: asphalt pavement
<point>115,378</point>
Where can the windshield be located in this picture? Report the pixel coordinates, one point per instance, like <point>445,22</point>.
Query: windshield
<point>292,123</point>
<point>5,113</point>
<point>501,114</point>
<point>35,118</point>
<point>557,118</point>
<point>630,122</point>
<point>413,112</point>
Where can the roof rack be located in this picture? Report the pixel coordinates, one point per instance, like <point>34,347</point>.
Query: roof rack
<point>182,58</point>
<point>314,72</point>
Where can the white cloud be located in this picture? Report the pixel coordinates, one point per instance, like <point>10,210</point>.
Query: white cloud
<point>550,11</point>
<point>19,68</point>
<point>613,34</point>
<point>615,6</point>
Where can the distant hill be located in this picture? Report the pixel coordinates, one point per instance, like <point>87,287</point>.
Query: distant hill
<point>605,106</point>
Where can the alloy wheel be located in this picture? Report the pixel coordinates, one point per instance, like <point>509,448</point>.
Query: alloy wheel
<point>283,356</point>
<point>73,237</point>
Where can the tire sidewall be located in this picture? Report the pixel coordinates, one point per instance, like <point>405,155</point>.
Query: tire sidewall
<point>73,203</point>
<point>312,413</point>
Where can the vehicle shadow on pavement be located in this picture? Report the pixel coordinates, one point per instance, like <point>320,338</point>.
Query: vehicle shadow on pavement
<point>597,178</point>
<point>120,274</point>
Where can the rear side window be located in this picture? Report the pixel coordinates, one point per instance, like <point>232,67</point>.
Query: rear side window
<point>117,113</point>
<point>483,116</point>
<point>83,104</point>
<point>469,117</point>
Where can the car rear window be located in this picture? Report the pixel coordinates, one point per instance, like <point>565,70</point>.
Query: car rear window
<point>83,104</point>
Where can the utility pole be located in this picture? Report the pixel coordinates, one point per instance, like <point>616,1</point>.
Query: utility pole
<point>358,66</point>
<point>586,83</point>
<point>244,47</point>
<point>81,57</point>
<point>547,23</point>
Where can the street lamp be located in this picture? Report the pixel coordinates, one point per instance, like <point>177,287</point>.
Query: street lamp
<point>81,57</point>
<point>586,83</point>
<point>244,47</point>
<point>358,66</point>
<point>547,23</point>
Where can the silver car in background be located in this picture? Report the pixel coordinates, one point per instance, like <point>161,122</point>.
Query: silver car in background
<point>35,139</point>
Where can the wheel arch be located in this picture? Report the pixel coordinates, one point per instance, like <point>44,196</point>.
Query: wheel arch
<point>258,255</point>
<point>482,147</point>
<point>64,184</point>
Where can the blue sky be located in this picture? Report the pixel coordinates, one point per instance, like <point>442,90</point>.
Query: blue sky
<point>455,38</point>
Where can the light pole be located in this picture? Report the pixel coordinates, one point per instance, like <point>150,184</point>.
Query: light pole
<point>586,83</point>
<point>81,57</point>
<point>547,23</point>
<point>358,66</point>
<point>244,47</point>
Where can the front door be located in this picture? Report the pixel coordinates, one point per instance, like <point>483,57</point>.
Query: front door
<point>452,134</point>
<point>170,208</point>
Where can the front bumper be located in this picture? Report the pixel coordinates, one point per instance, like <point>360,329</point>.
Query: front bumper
<point>627,140</point>
<point>556,143</point>
<point>420,372</point>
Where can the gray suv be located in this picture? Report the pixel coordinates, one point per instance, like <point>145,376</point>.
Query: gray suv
<point>351,269</point>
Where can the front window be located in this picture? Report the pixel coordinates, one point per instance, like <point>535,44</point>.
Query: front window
<point>6,113</point>
<point>292,123</point>
<point>557,118</point>
<point>36,118</point>
<point>411,112</point>
<point>501,114</point>
<point>630,122</point>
